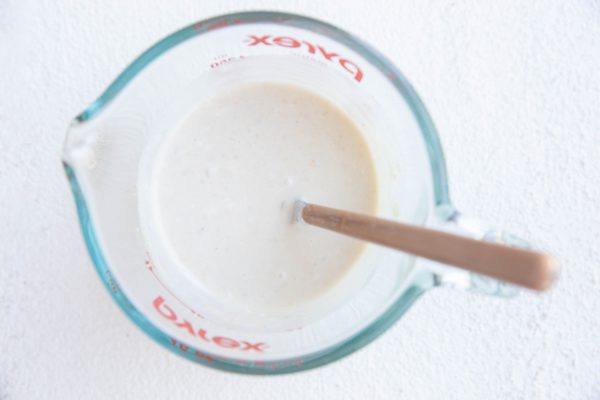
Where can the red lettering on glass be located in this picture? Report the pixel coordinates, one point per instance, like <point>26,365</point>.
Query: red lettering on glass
<point>257,40</point>
<point>311,48</point>
<point>228,343</point>
<point>289,42</point>
<point>161,310</point>
<point>328,56</point>
<point>185,324</point>
<point>202,334</point>
<point>250,346</point>
<point>284,41</point>
<point>352,68</point>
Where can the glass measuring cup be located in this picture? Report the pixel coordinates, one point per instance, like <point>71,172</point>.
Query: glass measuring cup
<point>106,151</point>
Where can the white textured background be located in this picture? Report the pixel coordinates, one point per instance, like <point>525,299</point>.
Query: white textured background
<point>514,88</point>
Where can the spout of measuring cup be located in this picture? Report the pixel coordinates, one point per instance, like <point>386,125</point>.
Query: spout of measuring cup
<point>80,144</point>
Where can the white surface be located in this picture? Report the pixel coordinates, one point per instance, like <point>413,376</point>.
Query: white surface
<point>514,89</point>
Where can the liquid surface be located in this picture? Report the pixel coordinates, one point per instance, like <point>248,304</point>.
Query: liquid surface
<point>224,186</point>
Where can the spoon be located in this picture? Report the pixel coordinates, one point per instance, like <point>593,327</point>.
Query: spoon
<point>522,267</point>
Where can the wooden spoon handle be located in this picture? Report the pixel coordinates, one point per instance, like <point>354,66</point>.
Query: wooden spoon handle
<point>519,266</point>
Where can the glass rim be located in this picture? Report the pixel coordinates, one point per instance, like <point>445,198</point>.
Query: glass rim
<point>421,282</point>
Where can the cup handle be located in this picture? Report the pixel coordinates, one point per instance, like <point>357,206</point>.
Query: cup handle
<point>456,223</point>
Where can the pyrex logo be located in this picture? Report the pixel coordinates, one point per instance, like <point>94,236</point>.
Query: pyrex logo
<point>290,42</point>
<point>168,313</point>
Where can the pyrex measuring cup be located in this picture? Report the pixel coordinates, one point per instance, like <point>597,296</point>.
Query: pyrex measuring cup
<point>104,157</point>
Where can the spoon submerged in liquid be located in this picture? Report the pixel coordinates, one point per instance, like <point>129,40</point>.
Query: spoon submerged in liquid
<point>527,268</point>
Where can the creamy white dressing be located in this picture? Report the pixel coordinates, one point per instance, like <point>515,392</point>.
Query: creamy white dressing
<point>224,183</point>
